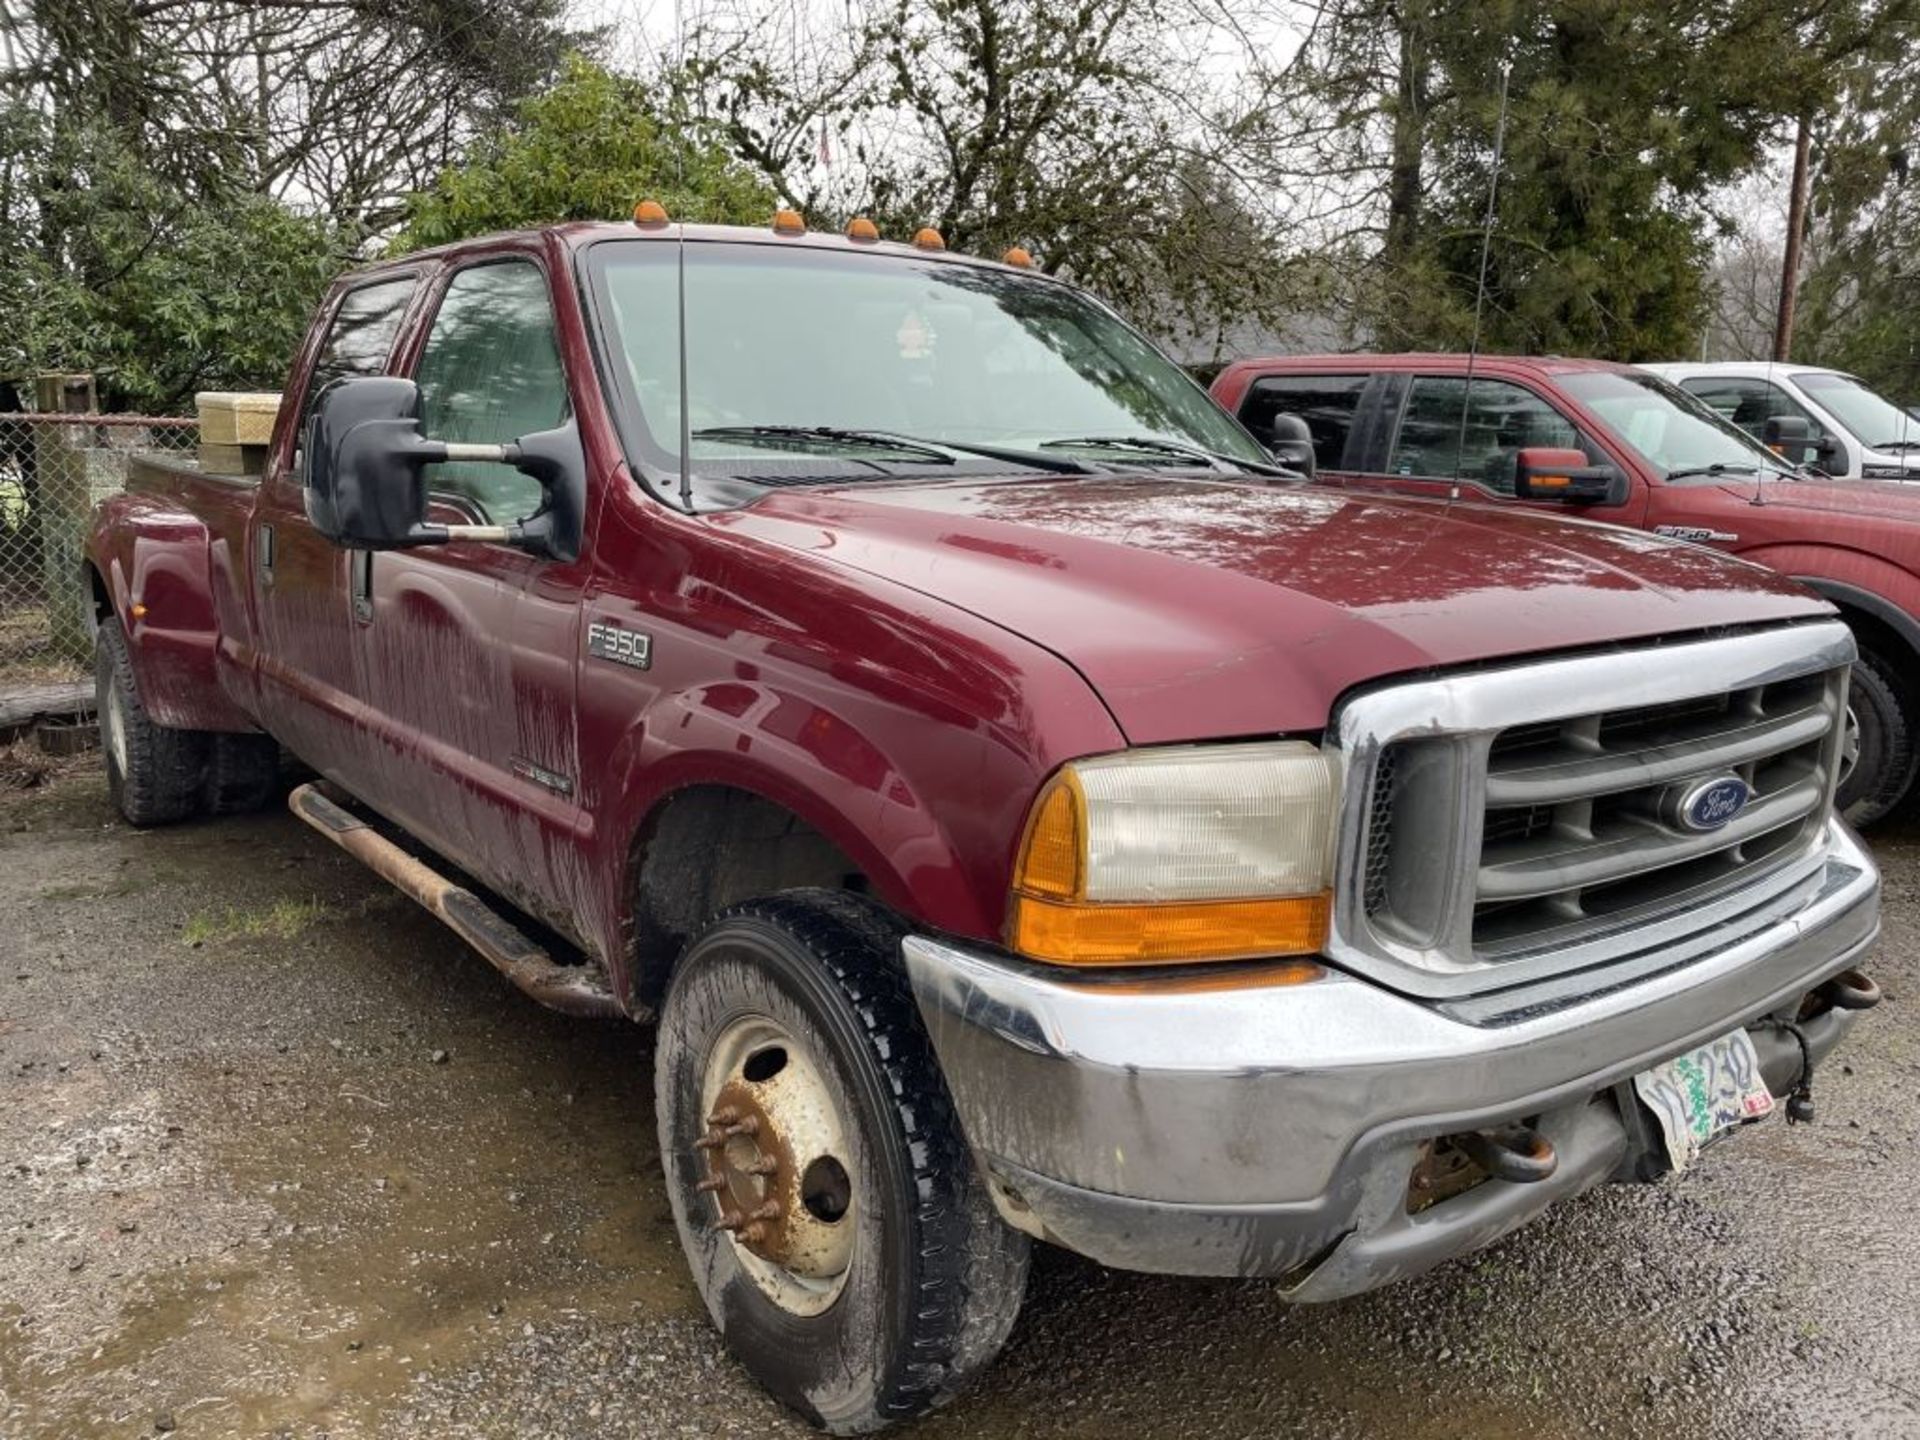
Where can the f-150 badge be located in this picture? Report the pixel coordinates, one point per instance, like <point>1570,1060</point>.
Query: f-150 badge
<point>607,641</point>
<point>1700,535</point>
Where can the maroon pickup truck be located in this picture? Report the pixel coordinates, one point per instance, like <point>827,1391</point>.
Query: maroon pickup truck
<point>1649,455</point>
<point>1026,812</point>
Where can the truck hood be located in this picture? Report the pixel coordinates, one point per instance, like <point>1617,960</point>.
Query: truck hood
<point>1203,610</point>
<point>1883,500</point>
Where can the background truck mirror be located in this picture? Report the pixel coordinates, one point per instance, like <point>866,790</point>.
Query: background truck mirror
<point>1290,442</point>
<point>1552,472</point>
<point>1787,436</point>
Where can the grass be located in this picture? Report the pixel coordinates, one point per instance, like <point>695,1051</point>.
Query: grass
<point>281,920</point>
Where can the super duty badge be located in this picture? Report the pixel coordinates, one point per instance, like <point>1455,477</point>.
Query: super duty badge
<point>608,641</point>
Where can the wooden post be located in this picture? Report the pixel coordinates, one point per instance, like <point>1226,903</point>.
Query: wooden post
<point>63,504</point>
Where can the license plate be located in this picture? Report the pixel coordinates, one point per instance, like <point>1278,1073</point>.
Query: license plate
<point>1705,1093</point>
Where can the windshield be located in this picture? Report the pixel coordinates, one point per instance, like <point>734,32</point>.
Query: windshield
<point>788,351</point>
<point>1667,427</point>
<point>1875,422</point>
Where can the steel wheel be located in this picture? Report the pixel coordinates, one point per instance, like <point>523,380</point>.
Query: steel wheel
<point>776,1160</point>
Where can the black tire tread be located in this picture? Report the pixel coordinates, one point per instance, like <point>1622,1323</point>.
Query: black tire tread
<point>1877,682</point>
<point>974,1267</point>
<point>243,771</point>
<point>166,768</point>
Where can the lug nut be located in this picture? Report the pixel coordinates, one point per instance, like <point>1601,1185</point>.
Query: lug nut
<point>729,1221</point>
<point>725,1115</point>
<point>709,1185</point>
<point>748,1126</point>
<point>753,1234</point>
<point>764,1165</point>
<point>709,1142</point>
<point>769,1211</point>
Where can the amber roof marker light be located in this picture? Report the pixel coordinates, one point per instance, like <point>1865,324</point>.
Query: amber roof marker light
<point>928,238</point>
<point>788,222</point>
<point>1018,256</point>
<point>649,214</point>
<point>863,230</point>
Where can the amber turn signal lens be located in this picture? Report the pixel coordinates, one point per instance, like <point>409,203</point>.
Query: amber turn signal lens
<point>1158,934</point>
<point>861,228</point>
<point>928,238</point>
<point>649,212</point>
<point>1056,840</point>
<point>1017,257</point>
<point>788,222</point>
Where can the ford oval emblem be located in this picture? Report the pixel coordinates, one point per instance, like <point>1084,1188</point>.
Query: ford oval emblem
<point>1709,804</point>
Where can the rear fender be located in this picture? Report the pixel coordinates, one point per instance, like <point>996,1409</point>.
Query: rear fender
<point>150,555</point>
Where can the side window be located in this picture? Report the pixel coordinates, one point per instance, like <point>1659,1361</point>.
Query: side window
<point>1500,420</point>
<point>1326,402</point>
<point>1749,402</point>
<point>361,335</point>
<point>490,373</point>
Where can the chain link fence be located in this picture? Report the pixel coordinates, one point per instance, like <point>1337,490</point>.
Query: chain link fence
<point>53,469</point>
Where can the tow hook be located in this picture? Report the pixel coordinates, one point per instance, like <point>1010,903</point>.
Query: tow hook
<point>1851,990</point>
<point>1518,1154</point>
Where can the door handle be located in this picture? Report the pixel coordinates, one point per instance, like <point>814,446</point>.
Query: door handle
<point>263,554</point>
<point>360,585</point>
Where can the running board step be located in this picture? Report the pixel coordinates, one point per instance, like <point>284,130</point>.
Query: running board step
<point>575,989</point>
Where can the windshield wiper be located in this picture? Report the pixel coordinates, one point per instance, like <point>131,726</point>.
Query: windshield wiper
<point>1694,472</point>
<point>1897,445</point>
<point>1150,444</point>
<point>822,435</point>
<point>935,452</point>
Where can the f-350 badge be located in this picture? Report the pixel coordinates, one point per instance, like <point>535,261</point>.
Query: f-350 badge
<point>608,641</point>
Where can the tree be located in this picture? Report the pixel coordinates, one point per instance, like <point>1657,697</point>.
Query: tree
<point>110,268</point>
<point>587,149</point>
<point>1076,131</point>
<point>1626,122</point>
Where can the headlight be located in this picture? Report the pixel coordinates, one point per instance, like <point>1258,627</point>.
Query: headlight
<point>1210,852</point>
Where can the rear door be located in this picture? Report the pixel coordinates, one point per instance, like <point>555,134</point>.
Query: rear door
<point>308,690</point>
<point>1450,436</point>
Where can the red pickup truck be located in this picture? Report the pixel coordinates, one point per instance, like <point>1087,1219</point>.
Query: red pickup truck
<point>1649,455</point>
<point>1026,812</point>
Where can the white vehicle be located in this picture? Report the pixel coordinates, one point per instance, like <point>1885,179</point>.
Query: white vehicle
<point>1851,431</point>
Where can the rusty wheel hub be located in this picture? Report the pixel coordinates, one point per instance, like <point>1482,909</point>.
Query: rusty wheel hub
<point>775,1166</point>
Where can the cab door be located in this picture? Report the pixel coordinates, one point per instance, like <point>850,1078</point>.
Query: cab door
<point>467,653</point>
<point>305,665</point>
<point>1451,437</point>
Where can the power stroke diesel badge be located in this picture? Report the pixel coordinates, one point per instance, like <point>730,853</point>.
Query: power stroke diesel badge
<point>607,641</point>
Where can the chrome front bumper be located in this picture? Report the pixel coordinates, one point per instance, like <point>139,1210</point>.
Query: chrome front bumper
<point>1170,1127</point>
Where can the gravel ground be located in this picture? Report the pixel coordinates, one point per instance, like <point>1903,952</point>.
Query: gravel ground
<point>282,1158</point>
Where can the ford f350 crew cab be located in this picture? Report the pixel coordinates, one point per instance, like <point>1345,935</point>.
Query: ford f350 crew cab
<point>1026,811</point>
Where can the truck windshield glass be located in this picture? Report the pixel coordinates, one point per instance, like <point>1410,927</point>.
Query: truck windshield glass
<point>818,344</point>
<point>1667,427</point>
<point>1876,422</point>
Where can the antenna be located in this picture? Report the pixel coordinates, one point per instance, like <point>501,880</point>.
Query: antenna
<point>1486,245</point>
<point>686,420</point>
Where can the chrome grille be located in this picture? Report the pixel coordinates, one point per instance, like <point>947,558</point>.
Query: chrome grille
<point>1498,827</point>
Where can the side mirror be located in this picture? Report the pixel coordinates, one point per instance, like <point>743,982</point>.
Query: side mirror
<point>367,482</point>
<point>1552,472</point>
<point>1786,433</point>
<point>1829,454</point>
<point>1290,442</point>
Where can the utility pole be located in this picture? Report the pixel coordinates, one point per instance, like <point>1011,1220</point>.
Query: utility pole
<point>1796,227</point>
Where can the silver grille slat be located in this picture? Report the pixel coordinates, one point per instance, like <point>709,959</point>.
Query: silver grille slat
<point>1515,780</point>
<point>1581,864</point>
<point>1520,822</point>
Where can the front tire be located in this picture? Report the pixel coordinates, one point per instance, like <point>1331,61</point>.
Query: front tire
<point>1879,762</point>
<point>824,1195</point>
<point>155,774</point>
